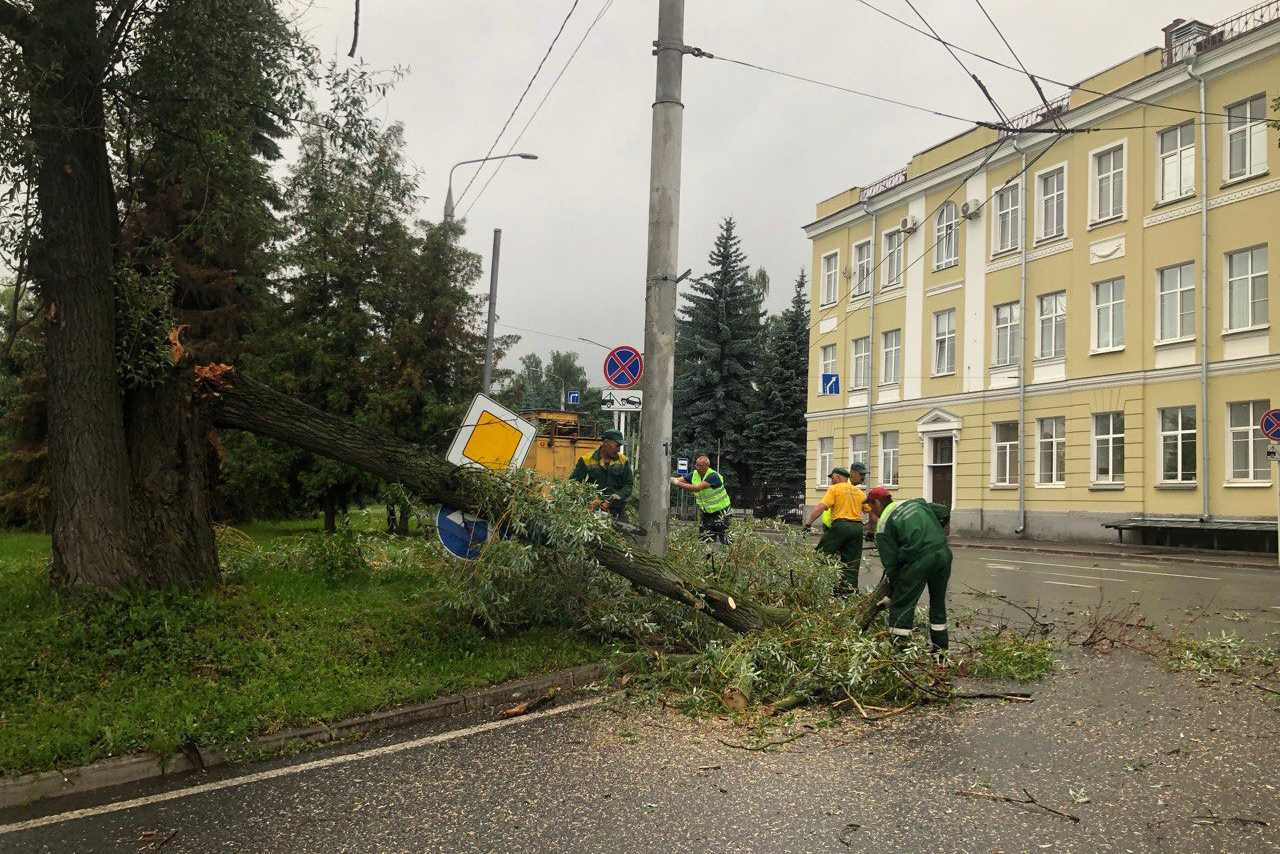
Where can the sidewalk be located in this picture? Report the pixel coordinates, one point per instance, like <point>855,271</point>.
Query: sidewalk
<point>1207,557</point>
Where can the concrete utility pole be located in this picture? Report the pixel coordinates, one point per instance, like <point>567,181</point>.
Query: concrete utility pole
<point>660,282</point>
<point>493,309</point>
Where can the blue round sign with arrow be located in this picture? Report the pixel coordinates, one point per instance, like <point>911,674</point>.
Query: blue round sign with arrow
<point>461,533</point>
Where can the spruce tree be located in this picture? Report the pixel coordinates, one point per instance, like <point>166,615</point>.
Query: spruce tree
<point>719,333</point>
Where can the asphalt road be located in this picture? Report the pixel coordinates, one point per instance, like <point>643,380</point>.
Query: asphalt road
<point>1147,760</point>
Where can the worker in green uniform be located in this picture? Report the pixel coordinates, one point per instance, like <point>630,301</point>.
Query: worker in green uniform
<point>608,470</point>
<point>914,553</point>
<point>843,535</point>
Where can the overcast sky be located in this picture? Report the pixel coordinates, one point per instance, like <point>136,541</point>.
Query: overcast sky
<point>758,147</point>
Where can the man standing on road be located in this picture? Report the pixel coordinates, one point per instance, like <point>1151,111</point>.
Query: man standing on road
<point>708,490</point>
<point>914,553</point>
<point>608,470</point>
<point>843,536</point>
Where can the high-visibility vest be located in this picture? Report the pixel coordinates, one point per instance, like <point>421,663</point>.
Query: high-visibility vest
<point>826,517</point>
<point>711,499</point>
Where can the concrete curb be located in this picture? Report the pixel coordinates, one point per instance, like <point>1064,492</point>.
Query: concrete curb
<point>143,766</point>
<point>1238,561</point>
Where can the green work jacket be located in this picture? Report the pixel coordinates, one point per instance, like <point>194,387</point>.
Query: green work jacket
<point>614,478</point>
<point>908,530</point>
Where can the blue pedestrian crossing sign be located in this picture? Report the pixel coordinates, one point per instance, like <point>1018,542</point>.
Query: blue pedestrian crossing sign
<point>830,384</point>
<point>575,398</point>
<point>461,533</point>
<point>1270,425</point>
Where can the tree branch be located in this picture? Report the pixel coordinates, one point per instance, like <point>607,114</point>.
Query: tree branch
<point>355,32</point>
<point>16,23</point>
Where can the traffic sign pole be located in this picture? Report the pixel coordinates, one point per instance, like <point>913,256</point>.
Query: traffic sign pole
<point>1270,427</point>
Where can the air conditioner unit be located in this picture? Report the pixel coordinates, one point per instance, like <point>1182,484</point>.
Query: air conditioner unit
<point>971,209</point>
<point>908,225</point>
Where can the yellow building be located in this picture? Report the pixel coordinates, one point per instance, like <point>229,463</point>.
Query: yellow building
<point>1055,330</point>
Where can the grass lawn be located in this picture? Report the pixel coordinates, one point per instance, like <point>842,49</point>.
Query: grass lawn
<point>305,628</point>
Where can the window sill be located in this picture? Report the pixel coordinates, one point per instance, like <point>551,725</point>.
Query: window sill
<point>1246,330</point>
<point>1062,485</point>
<point>1050,360</point>
<point>1005,253</point>
<point>893,384</point>
<point>1053,238</point>
<point>1101,351</point>
<point>1111,220</point>
<point>947,266</point>
<point>890,288</point>
<point>943,374</point>
<point>823,305</point>
<point>1172,201</point>
<point>1231,182</point>
<point>1248,484</point>
<point>1175,486</point>
<point>1006,366</point>
<point>1003,487</point>
<point>1106,487</point>
<point>1172,342</point>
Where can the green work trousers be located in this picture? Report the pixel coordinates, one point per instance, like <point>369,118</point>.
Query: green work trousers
<point>844,538</point>
<point>905,588</point>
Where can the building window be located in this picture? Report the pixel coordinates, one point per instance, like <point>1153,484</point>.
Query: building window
<point>1247,288</point>
<point>889,458</point>
<point>861,362</point>
<point>946,251</point>
<point>1051,461</point>
<point>1108,183</point>
<point>1178,444</point>
<point>858,452</point>
<point>892,356</point>
<point>893,259</point>
<point>1247,138</point>
<point>1108,314</point>
<point>1248,444</point>
<point>1177,302</point>
<point>830,278</point>
<point>1004,454</point>
<point>1108,447</point>
<point>826,458</point>
<point>1053,324</point>
<point>944,342</point>
<point>1008,319</point>
<point>1053,203</point>
<point>827,360</point>
<point>1177,162</point>
<point>862,260</point>
<point>1007,224</point>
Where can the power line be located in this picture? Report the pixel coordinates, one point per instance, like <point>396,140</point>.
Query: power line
<point>1049,111</point>
<point>538,109</point>
<point>527,87</point>
<point>981,86</point>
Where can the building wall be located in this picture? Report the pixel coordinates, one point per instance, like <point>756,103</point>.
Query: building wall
<point>1138,379</point>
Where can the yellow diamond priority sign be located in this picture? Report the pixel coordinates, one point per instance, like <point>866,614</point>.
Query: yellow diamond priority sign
<point>491,436</point>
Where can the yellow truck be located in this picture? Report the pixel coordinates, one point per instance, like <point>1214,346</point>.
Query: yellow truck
<point>560,440</point>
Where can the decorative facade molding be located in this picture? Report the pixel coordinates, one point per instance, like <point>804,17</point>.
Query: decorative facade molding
<point>942,289</point>
<point>1033,255</point>
<point>1107,250</point>
<point>1217,201</point>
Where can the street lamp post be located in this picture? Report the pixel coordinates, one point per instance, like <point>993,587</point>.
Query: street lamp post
<point>448,199</point>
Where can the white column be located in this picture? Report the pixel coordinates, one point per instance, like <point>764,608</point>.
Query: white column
<point>918,328</point>
<point>977,319</point>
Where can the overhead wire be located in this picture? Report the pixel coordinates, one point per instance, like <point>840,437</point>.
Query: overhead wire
<point>1044,99</point>
<point>520,101</point>
<point>538,109</point>
<point>1004,119</point>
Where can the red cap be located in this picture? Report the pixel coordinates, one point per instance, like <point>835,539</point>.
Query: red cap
<point>879,494</point>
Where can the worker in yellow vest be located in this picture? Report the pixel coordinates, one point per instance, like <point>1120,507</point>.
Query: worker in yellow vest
<point>714,506</point>
<point>846,503</point>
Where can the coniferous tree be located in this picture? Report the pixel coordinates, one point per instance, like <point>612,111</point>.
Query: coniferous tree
<point>719,332</point>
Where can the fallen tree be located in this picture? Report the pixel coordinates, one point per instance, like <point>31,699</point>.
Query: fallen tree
<point>239,402</point>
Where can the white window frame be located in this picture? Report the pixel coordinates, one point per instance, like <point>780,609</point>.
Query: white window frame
<point>826,364</point>
<point>1184,293</point>
<point>857,455</point>
<point>1254,135</point>
<point>1057,445</point>
<point>1012,213</point>
<point>1095,207</point>
<point>1106,445</point>
<point>1182,158</point>
<point>830,280</point>
<point>946,250</point>
<point>860,363</point>
<point>1008,451</point>
<point>1042,232</point>
<point>1178,436</point>
<point>864,267</point>
<point>891,357</point>
<point>1256,282</point>
<point>1058,346</point>
<point>889,458</point>
<point>1009,326</point>
<point>948,341</point>
<point>894,273</point>
<point>826,458</point>
<point>1255,443</point>
<point>1113,311</point>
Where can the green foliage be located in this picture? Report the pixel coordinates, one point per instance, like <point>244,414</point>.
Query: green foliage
<point>143,357</point>
<point>1009,656</point>
<point>1224,652</point>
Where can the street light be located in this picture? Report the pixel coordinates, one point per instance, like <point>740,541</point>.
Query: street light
<point>448,199</point>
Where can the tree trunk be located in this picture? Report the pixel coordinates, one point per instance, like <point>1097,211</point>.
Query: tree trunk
<point>402,526</point>
<point>245,404</point>
<point>391,518</point>
<point>330,513</point>
<point>74,268</point>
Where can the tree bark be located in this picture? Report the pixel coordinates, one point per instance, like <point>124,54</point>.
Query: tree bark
<point>330,513</point>
<point>242,403</point>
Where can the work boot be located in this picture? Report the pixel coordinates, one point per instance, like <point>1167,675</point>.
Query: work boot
<point>938,638</point>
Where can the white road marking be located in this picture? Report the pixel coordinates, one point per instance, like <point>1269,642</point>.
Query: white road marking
<point>1113,569</point>
<point>1071,584</point>
<point>1096,578</point>
<point>274,773</point>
